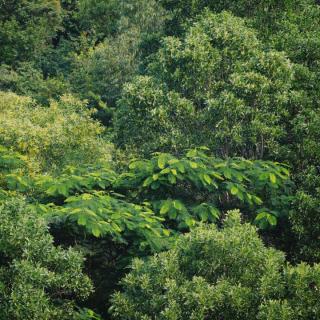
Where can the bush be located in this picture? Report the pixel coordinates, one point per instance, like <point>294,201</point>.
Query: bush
<point>214,274</point>
<point>105,68</point>
<point>38,281</point>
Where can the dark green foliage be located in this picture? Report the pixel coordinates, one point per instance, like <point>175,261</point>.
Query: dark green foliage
<point>158,78</point>
<point>185,190</point>
<point>305,214</point>
<point>98,17</point>
<point>27,80</point>
<point>212,274</point>
<point>159,194</point>
<point>304,218</point>
<point>102,71</point>
<point>262,14</point>
<point>85,196</point>
<point>297,32</point>
<point>26,27</point>
<point>143,114</point>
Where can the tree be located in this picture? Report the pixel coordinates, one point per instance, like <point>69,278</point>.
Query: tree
<point>261,14</point>
<point>26,28</point>
<point>51,137</point>
<point>99,72</point>
<point>212,273</point>
<point>37,279</point>
<point>215,87</point>
<point>142,209</point>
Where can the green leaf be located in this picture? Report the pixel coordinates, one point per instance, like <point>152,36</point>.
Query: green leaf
<point>178,205</point>
<point>133,165</point>
<point>207,178</point>
<point>203,215</point>
<point>234,190</point>
<point>96,231</point>
<point>227,173</point>
<point>63,190</point>
<point>263,176</point>
<point>214,212</point>
<point>174,172</point>
<point>165,207</point>
<point>257,200</point>
<point>240,196</point>
<point>192,153</point>
<point>82,220</point>
<point>172,213</point>
<point>285,171</point>
<point>272,219</point>
<point>180,167</point>
<point>173,161</point>
<point>165,171</point>
<point>52,190</point>
<point>261,216</point>
<point>162,161</point>
<point>193,164</point>
<point>217,175</point>
<point>148,181</point>
<point>190,222</point>
<point>172,179</point>
<point>273,178</point>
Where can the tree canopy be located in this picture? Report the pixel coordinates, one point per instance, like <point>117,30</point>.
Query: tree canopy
<point>132,133</point>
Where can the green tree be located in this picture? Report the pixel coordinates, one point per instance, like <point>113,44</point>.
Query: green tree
<point>98,17</point>
<point>217,87</point>
<point>154,196</point>
<point>37,279</point>
<point>265,16</point>
<point>54,136</point>
<point>304,216</point>
<point>99,72</point>
<point>26,28</point>
<point>28,80</point>
<point>219,273</point>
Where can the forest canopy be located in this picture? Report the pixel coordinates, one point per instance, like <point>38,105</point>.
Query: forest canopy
<point>159,159</point>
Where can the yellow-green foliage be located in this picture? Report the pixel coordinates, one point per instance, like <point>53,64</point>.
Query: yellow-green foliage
<point>63,133</point>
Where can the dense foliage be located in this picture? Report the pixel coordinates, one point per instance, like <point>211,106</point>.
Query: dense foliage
<point>211,273</point>
<point>215,87</point>
<point>52,137</point>
<point>129,129</point>
<point>37,279</point>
